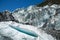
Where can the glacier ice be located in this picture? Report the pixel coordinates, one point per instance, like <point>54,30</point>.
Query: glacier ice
<point>38,16</point>
<point>34,23</point>
<point>31,16</point>
<point>6,30</point>
<point>45,18</point>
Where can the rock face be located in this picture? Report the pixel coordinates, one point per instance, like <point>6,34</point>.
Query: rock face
<point>6,16</point>
<point>49,2</point>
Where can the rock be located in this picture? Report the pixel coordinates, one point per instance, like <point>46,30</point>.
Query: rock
<point>6,16</point>
<point>49,2</point>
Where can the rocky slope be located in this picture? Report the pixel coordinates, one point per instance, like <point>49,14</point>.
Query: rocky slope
<point>49,2</point>
<point>6,16</point>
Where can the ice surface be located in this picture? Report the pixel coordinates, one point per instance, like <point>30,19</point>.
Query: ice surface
<point>6,30</point>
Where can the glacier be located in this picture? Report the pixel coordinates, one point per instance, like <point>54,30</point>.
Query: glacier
<point>31,23</point>
<point>7,30</point>
<point>46,16</point>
